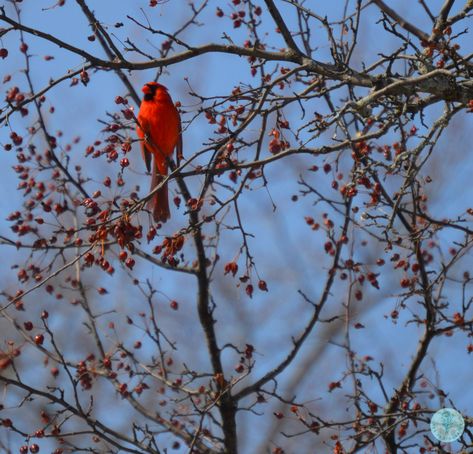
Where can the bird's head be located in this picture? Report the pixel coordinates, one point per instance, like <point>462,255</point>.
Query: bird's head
<point>151,88</point>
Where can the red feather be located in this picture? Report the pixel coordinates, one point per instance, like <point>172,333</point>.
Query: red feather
<point>159,129</point>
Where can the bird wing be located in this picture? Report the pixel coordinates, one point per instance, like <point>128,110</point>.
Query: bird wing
<point>179,154</point>
<point>142,130</point>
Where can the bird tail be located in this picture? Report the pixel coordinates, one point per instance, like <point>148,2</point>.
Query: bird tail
<point>159,203</point>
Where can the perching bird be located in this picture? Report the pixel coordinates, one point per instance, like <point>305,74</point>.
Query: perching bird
<point>159,128</point>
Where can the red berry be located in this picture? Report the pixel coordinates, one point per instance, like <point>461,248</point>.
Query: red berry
<point>113,155</point>
<point>28,326</point>
<point>128,114</point>
<point>249,290</point>
<point>231,267</point>
<point>84,77</point>
<point>405,282</point>
<point>126,147</point>
<point>3,53</point>
<point>274,145</point>
<point>39,339</point>
<point>333,385</point>
<point>23,47</point>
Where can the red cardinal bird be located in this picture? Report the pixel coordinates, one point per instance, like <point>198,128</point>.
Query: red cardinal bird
<point>159,129</point>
